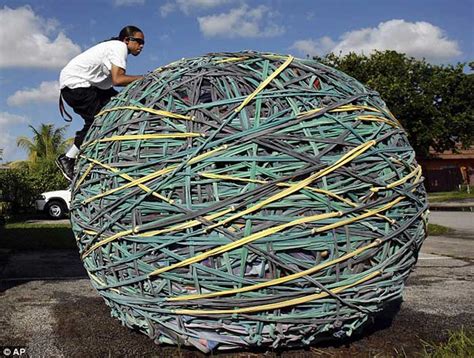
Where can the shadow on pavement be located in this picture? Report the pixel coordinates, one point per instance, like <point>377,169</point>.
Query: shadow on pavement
<point>21,266</point>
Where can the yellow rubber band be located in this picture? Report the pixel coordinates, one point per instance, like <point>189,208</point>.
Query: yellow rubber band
<point>343,108</point>
<point>245,240</point>
<point>265,83</point>
<point>178,227</point>
<point>148,110</point>
<point>102,242</point>
<point>100,283</point>
<point>416,172</point>
<point>144,136</point>
<point>371,118</point>
<point>129,178</point>
<point>231,59</point>
<point>277,281</point>
<point>275,57</point>
<point>354,153</point>
<point>186,225</point>
<point>130,184</point>
<point>144,187</point>
<point>278,305</point>
<point>154,175</point>
<point>405,178</point>
<point>357,218</point>
<point>86,172</point>
<point>150,136</point>
<point>256,181</point>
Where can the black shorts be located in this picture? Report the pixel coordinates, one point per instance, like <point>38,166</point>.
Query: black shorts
<point>86,102</point>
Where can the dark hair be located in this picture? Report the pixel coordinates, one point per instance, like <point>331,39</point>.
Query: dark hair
<point>127,31</point>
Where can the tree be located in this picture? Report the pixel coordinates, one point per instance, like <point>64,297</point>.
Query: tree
<point>434,103</point>
<point>47,143</point>
<point>21,184</point>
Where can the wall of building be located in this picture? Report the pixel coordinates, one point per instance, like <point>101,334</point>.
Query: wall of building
<point>447,174</point>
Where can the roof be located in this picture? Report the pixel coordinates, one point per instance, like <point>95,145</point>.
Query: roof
<point>448,154</point>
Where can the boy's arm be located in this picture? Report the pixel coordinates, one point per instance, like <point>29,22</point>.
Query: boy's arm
<point>119,78</point>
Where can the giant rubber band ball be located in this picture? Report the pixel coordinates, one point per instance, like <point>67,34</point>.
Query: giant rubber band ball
<point>247,199</point>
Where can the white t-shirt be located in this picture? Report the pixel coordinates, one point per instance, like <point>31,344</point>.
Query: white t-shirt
<point>93,66</point>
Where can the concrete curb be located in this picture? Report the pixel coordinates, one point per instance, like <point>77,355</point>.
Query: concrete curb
<point>461,205</point>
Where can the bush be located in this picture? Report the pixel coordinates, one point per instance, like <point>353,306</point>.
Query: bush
<point>45,176</point>
<point>14,188</point>
<point>20,185</point>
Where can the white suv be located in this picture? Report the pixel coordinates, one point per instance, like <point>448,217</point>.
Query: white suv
<point>54,203</point>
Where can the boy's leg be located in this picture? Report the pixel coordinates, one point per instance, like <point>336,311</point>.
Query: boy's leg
<point>105,96</point>
<point>86,103</point>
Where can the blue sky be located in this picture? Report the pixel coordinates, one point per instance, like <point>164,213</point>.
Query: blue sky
<point>38,37</point>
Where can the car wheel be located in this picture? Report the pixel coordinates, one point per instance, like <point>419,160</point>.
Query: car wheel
<point>55,210</point>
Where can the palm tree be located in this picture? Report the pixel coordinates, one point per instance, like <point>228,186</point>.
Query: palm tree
<point>47,143</point>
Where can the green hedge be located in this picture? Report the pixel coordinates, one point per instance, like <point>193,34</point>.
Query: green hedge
<point>21,185</point>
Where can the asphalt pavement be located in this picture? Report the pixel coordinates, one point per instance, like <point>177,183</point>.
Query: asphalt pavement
<point>461,221</point>
<point>48,306</point>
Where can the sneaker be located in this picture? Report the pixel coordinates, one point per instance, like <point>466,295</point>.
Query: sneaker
<point>66,165</point>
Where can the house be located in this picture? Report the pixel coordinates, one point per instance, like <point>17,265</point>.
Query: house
<point>448,170</point>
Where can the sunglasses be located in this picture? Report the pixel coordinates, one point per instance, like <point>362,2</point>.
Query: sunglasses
<point>137,40</point>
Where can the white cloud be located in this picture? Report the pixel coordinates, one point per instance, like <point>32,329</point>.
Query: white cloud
<point>128,2</point>
<point>167,9</point>
<point>8,144</point>
<point>33,44</point>
<point>7,140</point>
<point>314,47</point>
<point>241,22</point>
<point>188,6</point>
<point>46,92</point>
<point>164,37</point>
<point>9,119</point>
<point>418,39</point>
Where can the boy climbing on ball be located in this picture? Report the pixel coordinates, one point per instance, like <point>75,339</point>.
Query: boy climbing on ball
<point>87,84</point>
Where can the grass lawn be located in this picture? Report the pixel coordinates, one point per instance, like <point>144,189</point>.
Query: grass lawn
<point>34,236</point>
<point>449,195</point>
<point>438,230</point>
<point>459,344</point>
